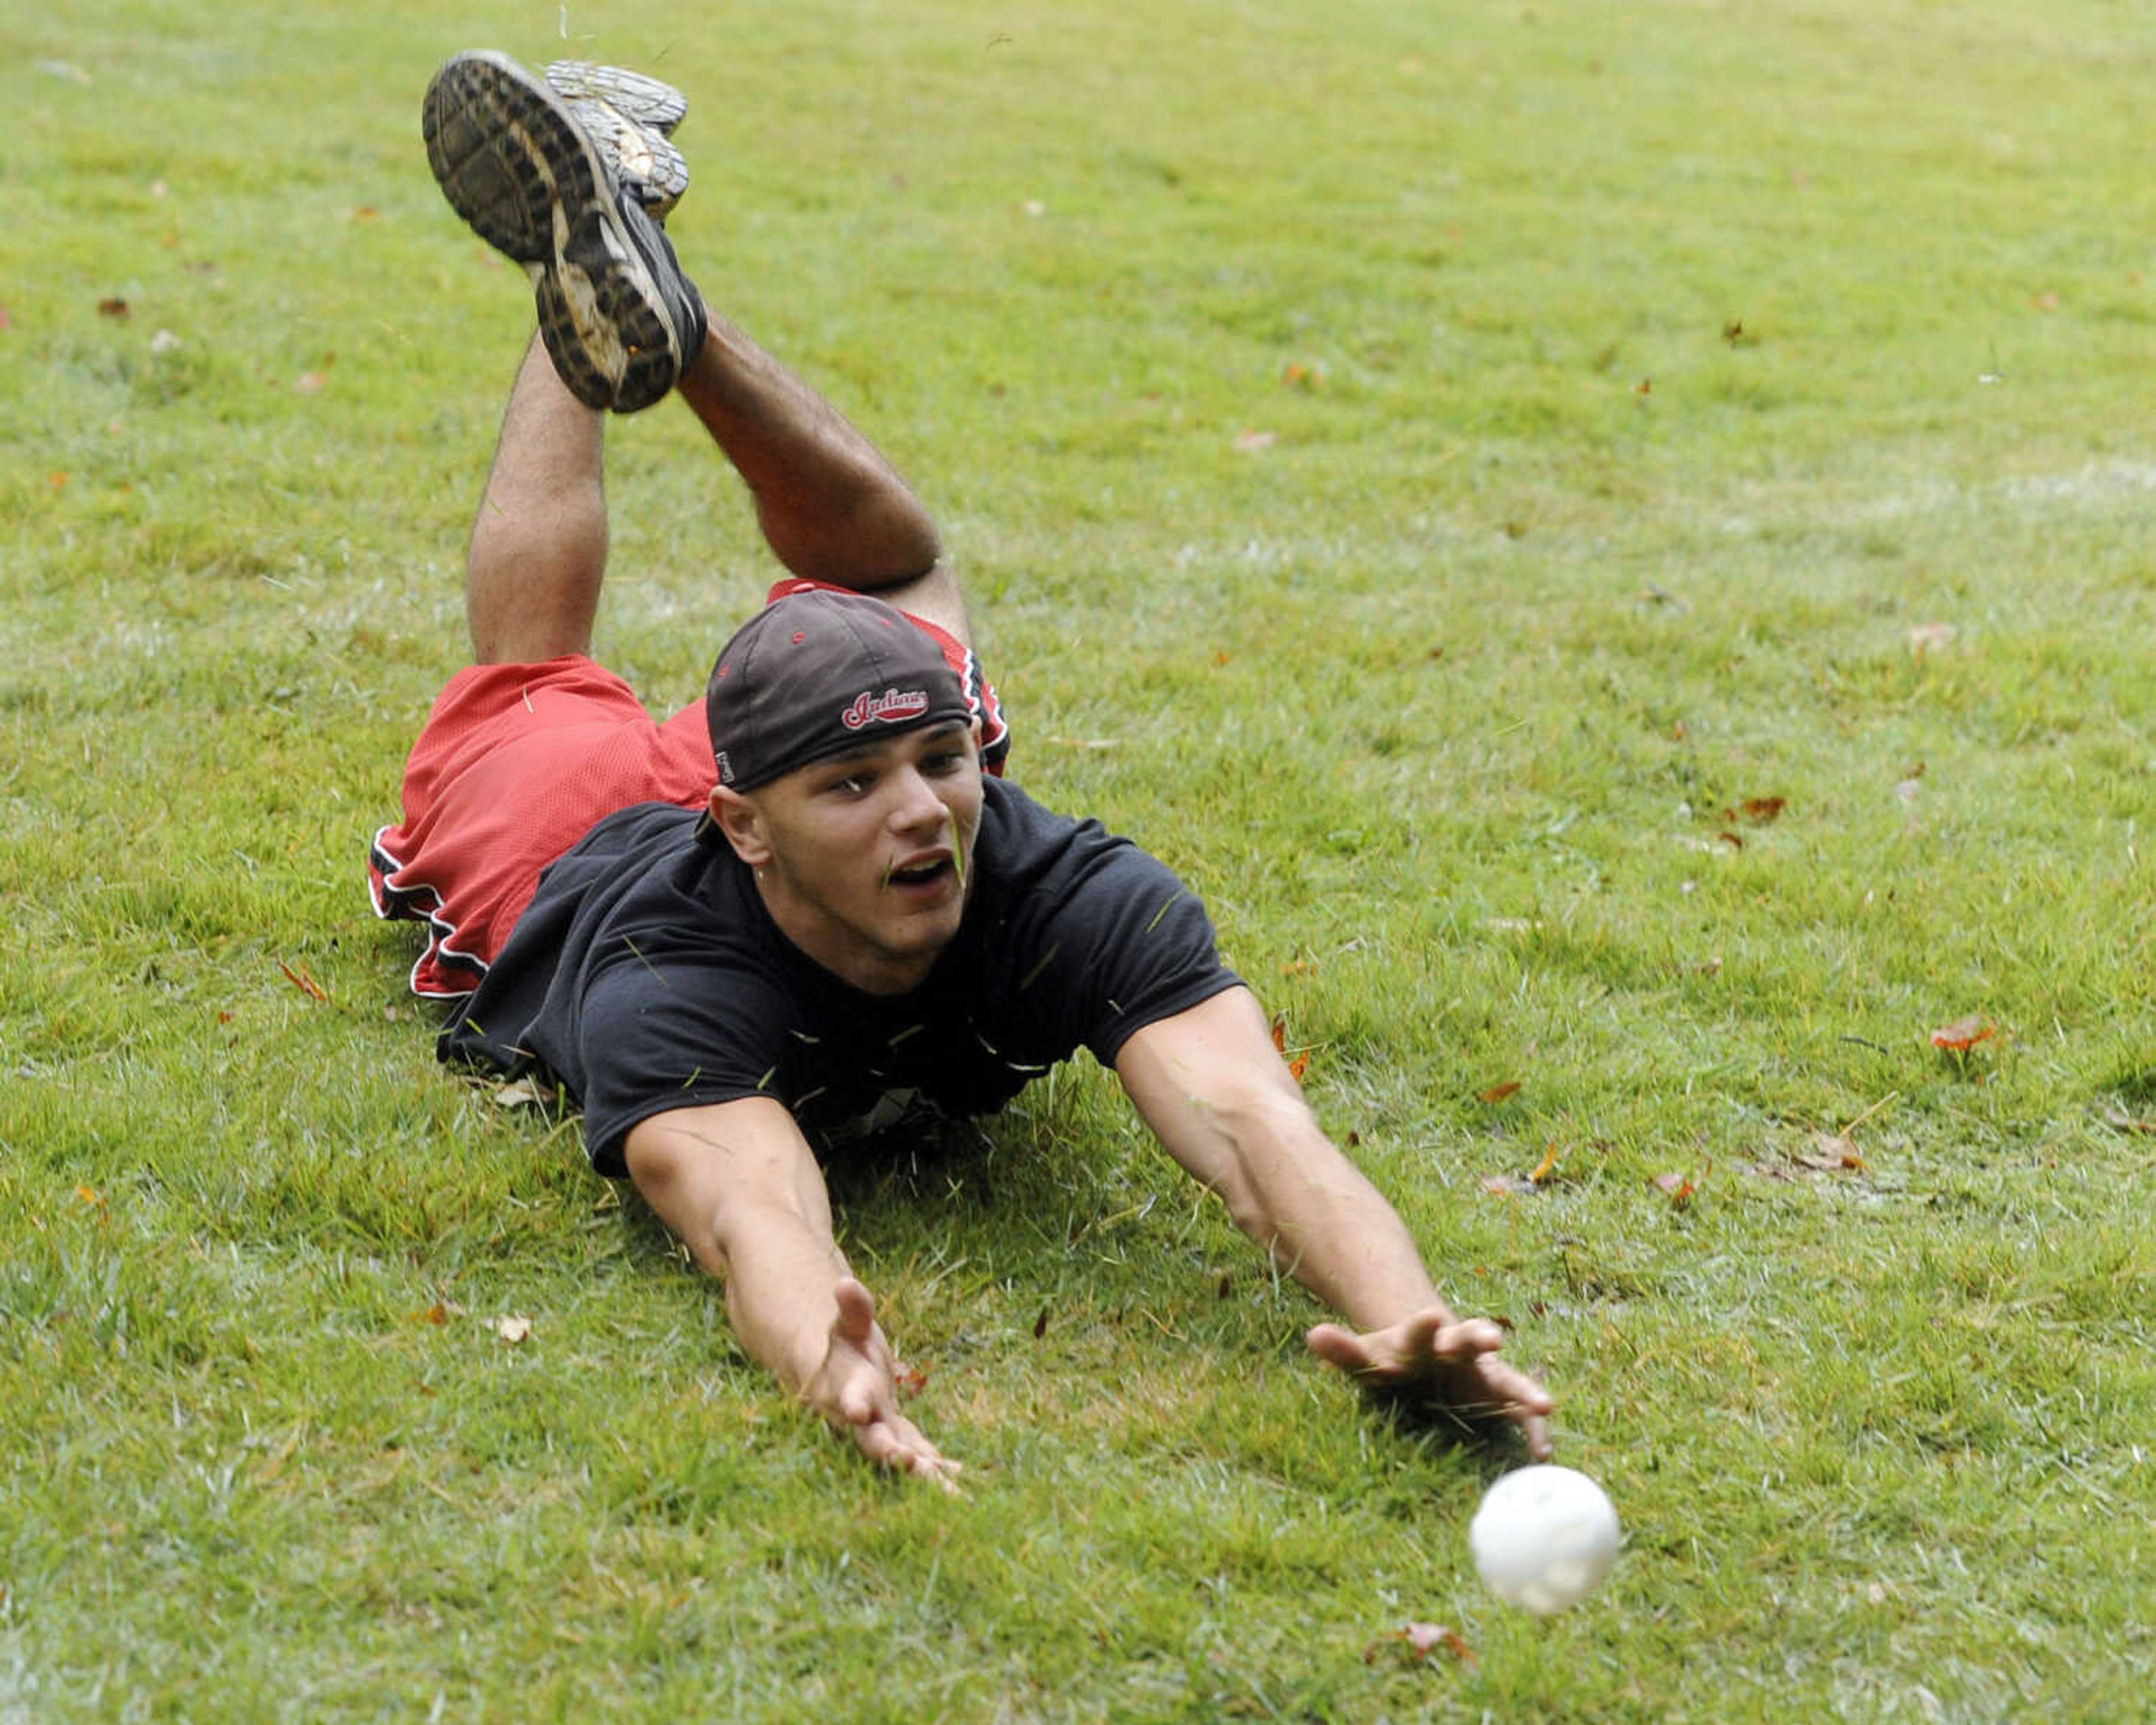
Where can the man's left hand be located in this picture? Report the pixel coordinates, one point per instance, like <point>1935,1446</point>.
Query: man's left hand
<point>1453,1361</point>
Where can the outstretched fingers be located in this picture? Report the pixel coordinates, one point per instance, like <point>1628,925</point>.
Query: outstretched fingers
<point>867,1400</point>
<point>1457,1361</point>
<point>1342,1348</point>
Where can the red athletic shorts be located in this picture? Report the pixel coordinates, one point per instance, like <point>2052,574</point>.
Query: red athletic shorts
<point>518,761</point>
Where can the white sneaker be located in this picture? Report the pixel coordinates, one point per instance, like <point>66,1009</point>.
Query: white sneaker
<point>618,317</point>
<point>631,118</point>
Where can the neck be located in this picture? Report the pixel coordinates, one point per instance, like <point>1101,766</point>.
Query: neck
<point>858,964</point>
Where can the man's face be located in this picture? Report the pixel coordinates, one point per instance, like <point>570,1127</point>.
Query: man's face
<point>864,859</point>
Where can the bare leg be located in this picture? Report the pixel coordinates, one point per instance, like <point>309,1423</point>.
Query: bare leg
<point>539,544</point>
<point>831,507</point>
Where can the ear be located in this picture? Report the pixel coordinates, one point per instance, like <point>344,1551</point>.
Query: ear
<point>741,822</point>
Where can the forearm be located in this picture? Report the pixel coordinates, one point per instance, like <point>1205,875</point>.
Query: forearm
<point>780,1297</point>
<point>775,1255</point>
<point>739,1186</point>
<point>1220,1098</point>
<point>831,507</point>
<point>1320,1219</point>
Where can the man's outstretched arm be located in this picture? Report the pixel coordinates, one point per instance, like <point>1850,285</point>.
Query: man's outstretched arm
<point>1216,1093</point>
<point>738,1184</point>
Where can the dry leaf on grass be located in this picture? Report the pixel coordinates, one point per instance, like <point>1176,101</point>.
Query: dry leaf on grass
<point>1679,1189</point>
<point>1833,1150</point>
<point>1499,1092</point>
<point>1297,1063</point>
<point>1963,1033</point>
<point>512,1330</point>
<point>523,1093</point>
<point>303,979</point>
<point>1419,1640</point>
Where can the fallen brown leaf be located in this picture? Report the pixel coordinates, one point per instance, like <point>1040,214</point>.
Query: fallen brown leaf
<point>1418,1640</point>
<point>1498,1092</point>
<point>1679,1189</point>
<point>1546,1167</point>
<point>303,980</point>
<point>1764,809</point>
<point>115,308</point>
<point>1963,1033</point>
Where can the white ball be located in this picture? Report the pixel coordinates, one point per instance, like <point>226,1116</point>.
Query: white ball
<point>1544,1537</point>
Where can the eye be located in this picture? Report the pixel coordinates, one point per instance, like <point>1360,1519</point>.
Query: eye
<point>853,784</point>
<point>944,761</point>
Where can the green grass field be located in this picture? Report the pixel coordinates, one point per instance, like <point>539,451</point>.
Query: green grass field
<point>1438,477</point>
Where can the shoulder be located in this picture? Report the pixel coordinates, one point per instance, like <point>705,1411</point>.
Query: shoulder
<point>1026,844</point>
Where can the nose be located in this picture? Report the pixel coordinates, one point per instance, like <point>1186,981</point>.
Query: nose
<point>915,807</point>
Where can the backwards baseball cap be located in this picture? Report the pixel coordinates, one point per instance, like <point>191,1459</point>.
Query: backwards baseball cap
<point>817,673</point>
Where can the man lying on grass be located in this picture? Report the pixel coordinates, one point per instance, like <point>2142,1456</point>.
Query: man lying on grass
<point>860,927</point>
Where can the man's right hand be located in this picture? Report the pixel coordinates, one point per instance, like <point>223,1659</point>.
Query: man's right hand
<point>856,1390</point>
<point>737,1183</point>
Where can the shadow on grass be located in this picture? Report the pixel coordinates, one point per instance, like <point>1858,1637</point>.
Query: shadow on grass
<point>2136,1089</point>
<point>1492,1444</point>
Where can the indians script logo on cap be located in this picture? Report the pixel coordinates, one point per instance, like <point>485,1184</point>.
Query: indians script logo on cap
<point>893,707</point>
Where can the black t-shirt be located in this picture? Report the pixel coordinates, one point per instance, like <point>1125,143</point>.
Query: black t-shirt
<point>647,975</point>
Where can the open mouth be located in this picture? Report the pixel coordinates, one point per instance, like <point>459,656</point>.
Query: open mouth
<point>922,874</point>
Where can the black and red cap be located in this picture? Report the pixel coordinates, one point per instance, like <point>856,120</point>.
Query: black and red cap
<point>816,673</point>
